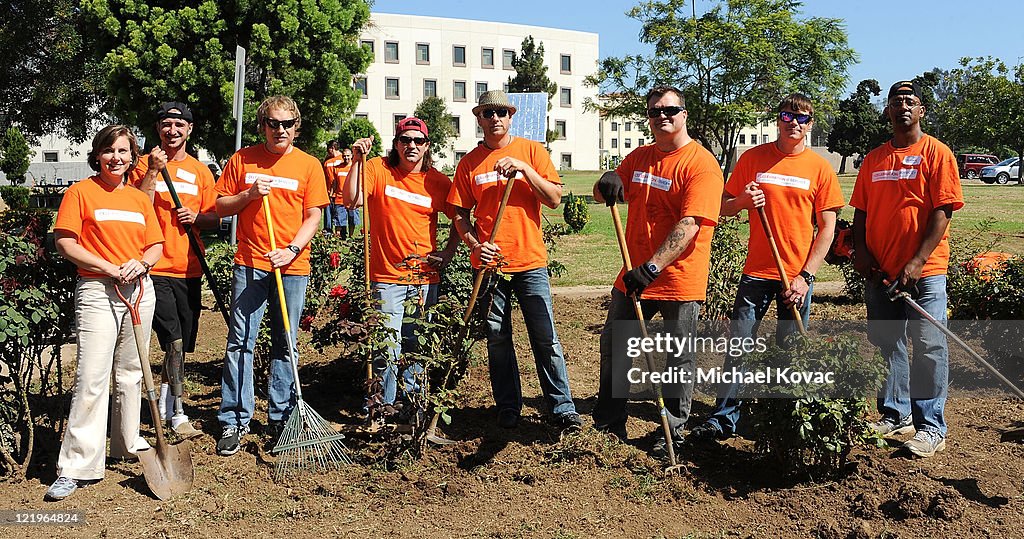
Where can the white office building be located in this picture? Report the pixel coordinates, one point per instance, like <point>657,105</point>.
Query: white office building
<point>416,57</point>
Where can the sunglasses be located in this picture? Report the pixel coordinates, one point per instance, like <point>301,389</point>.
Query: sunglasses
<point>667,111</point>
<point>274,124</point>
<point>489,113</point>
<point>420,141</point>
<point>908,101</point>
<point>801,119</point>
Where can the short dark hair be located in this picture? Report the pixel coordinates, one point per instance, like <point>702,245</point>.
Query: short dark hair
<point>797,102</point>
<point>333,144</point>
<point>105,139</point>
<point>658,91</point>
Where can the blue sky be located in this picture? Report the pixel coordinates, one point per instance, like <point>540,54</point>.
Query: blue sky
<point>895,40</point>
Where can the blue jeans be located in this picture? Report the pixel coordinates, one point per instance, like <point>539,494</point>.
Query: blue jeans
<point>252,291</point>
<point>533,291</point>
<point>393,297</point>
<point>681,319</point>
<point>753,298</point>
<point>916,388</point>
<point>339,215</point>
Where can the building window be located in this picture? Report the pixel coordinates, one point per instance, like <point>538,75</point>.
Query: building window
<point>363,115</point>
<point>456,126</point>
<point>397,118</point>
<point>459,156</point>
<point>459,55</point>
<point>390,88</point>
<point>360,86</point>
<point>459,90</point>
<point>764,138</point>
<point>391,52</point>
<point>628,143</point>
<point>51,157</point>
<point>640,142</point>
<point>429,88</point>
<point>504,87</point>
<point>566,160</point>
<point>481,87</point>
<point>367,44</point>
<point>507,55</point>
<point>486,57</point>
<point>560,129</point>
<point>629,126</point>
<point>479,130</point>
<point>615,143</point>
<point>615,126</point>
<point>422,53</point>
<point>743,139</point>
<point>566,67</point>
<point>566,97</point>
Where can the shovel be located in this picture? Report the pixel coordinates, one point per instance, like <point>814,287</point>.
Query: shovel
<point>168,467</point>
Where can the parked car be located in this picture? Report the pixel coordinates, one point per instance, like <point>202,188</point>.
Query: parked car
<point>970,164</point>
<point>1001,172</point>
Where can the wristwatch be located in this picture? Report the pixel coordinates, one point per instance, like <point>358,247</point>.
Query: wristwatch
<point>808,278</point>
<point>146,265</point>
<point>651,267</point>
<point>294,249</point>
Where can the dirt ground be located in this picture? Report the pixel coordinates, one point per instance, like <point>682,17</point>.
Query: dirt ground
<point>525,483</point>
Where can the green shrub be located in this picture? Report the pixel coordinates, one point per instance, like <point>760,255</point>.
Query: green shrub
<point>811,429</point>
<point>575,212</point>
<point>15,196</point>
<point>728,253</point>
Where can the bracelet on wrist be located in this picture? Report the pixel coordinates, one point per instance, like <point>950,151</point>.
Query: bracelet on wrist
<point>146,265</point>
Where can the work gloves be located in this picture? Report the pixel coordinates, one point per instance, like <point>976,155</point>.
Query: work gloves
<point>637,279</point>
<point>610,187</point>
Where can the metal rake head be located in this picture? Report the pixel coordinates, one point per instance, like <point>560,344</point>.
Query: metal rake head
<point>308,443</point>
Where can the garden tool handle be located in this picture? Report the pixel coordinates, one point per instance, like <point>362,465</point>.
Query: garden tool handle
<point>133,309</point>
<point>147,371</point>
<point>277,271</point>
<point>778,265</point>
<point>479,279</point>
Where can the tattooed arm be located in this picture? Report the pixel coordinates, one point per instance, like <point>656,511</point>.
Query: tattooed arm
<point>677,241</point>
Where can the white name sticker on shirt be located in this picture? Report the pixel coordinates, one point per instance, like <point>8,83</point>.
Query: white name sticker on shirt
<point>406,196</point>
<point>492,176</point>
<point>656,182</point>
<point>276,182</point>
<point>795,182</point>
<point>912,160</point>
<point>180,187</point>
<point>119,215</point>
<point>185,175</point>
<point>343,174</point>
<point>893,175</point>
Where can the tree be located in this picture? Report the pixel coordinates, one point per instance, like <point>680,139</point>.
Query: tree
<point>49,82</point>
<point>734,63</point>
<point>858,126</point>
<point>984,107</point>
<point>532,75</point>
<point>358,128</point>
<point>15,156</point>
<point>439,121</point>
<point>306,50</point>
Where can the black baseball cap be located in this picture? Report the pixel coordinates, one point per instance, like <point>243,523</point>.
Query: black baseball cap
<point>905,87</point>
<point>167,110</point>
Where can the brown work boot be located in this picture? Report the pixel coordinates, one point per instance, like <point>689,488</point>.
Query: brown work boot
<point>185,429</point>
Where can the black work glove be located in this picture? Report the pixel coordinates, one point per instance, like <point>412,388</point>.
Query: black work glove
<point>610,187</point>
<point>637,279</point>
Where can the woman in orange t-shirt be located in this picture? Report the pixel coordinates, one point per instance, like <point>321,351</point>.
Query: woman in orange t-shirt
<point>111,233</point>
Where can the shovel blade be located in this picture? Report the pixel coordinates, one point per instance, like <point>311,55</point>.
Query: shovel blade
<point>168,469</point>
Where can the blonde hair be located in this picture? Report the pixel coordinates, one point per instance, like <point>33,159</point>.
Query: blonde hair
<point>280,102</point>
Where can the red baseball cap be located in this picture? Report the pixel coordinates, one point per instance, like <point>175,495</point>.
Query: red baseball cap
<point>412,124</point>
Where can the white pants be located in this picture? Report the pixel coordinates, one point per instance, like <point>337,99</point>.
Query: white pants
<point>106,341</point>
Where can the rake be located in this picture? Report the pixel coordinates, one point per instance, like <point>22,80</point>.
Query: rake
<point>307,442</point>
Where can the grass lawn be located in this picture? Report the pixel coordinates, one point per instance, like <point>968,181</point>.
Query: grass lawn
<point>592,256</point>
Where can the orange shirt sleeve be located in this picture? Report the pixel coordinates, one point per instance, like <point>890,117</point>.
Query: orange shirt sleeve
<point>461,193</point>
<point>703,194</point>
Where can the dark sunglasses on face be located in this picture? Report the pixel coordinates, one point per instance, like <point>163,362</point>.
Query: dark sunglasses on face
<point>274,124</point>
<point>420,141</point>
<point>489,113</point>
<point>801,119</point>
<point>667,111</point>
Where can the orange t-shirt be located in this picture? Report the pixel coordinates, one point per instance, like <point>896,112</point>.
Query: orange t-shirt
<point>297,186</point>
<point>796,188</point>
<point>899,188</point>
<point>116,224</point>
<point>193,182</point>
<point>478,185</point>
<point>661,188</point>
<point>335,174</point>
<point>404,210</point>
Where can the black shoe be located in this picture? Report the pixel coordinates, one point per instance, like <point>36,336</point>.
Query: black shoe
<point>705,433</point>
<point>568,422</point>
<point>660,449</point>
<point>508,418</point>
<point>230,440</point>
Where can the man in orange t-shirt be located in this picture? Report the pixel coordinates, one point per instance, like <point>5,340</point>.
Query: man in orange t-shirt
<point>906,192</point>
<point>405,194</point>
<point>336,168</point>
<point>518,251</point>
<point>674,190</point>
<point>177,277</point>
<point>291,181</point>
<point>797,189</point>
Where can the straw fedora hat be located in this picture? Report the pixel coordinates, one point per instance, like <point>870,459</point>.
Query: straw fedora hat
<point>494,99</point>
